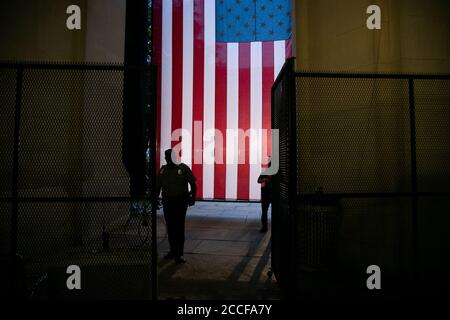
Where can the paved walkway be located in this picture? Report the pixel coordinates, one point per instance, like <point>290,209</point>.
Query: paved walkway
<point>228,258</point>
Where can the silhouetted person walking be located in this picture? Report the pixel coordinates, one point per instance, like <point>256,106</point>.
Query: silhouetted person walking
<point>266,198</point>
<point>174,179</point>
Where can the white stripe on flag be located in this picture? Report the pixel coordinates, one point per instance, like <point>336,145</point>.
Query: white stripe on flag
<point>209,99</point>
<point>279,56</point>
<point>232,119</point>
<point>171,59</point>
<point>166,78</point>
<point>188,64</point>
<point>255,119</point>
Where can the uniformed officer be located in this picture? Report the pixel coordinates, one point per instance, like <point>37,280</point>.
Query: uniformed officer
<point>174,179</point>
<point>266,197</point>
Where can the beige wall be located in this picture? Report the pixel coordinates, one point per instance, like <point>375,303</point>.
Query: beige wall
<point>105,32</point>
<point>36,31</point>
<point>332,35</point>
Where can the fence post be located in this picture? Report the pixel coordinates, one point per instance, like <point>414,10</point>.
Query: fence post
<point>292,184</point>
<point>153,171</point>
<point>15,178</point>
<point>414,197</point>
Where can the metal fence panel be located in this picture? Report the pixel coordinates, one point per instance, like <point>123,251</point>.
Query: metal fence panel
<point>352,135</point>
<point>283,180</point>
<point>71,134</point>
<point>7,103</point>
<point>50,241</point>
<point>371,176</point>
<point>432,104</point>
<point>70,202</point>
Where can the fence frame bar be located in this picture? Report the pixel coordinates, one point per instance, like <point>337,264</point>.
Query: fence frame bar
<point>15,180</point>
<point>414,196</point>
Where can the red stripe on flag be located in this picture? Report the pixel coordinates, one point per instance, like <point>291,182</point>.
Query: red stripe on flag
<point>244,120</point>
<point>220,121</point>
<point>267,82</point>
<point>157,43</point>
<point>177,66</point>
<point>288,43</point>
<point>197,104</point>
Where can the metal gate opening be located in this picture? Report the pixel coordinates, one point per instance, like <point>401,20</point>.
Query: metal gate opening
<point>227,257</point>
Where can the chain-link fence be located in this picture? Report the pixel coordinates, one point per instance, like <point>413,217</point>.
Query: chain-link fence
<point>371,180</point>
<point>66,198</point>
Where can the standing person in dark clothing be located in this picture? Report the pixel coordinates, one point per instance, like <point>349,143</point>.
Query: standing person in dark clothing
<point>266,198</point>
<point>173,180</point>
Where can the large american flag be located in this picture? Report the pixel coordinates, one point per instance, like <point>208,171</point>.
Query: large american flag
<point>217,62</point>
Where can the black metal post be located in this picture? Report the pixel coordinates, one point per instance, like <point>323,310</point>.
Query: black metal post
<point>153,153</point>
<point>15,181</point>
<point>291,97</point>
<point>153,170</point>
<point>414,197</point>
<point>136,100</point>
<point>134,94</point>
<point>293,174</point>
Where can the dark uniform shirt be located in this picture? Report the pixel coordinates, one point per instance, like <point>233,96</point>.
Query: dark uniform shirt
<point>174,180</point>
<point>265,181</point>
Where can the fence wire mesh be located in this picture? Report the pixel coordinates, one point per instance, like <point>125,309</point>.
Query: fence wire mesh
<point>432,101</point>
<point>352,135</point>
<point>7,100</point>
<point>371,179</point>
<point>73,203</point>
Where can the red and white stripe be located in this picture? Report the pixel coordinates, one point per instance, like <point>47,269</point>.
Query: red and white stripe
<point>226,86</point>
